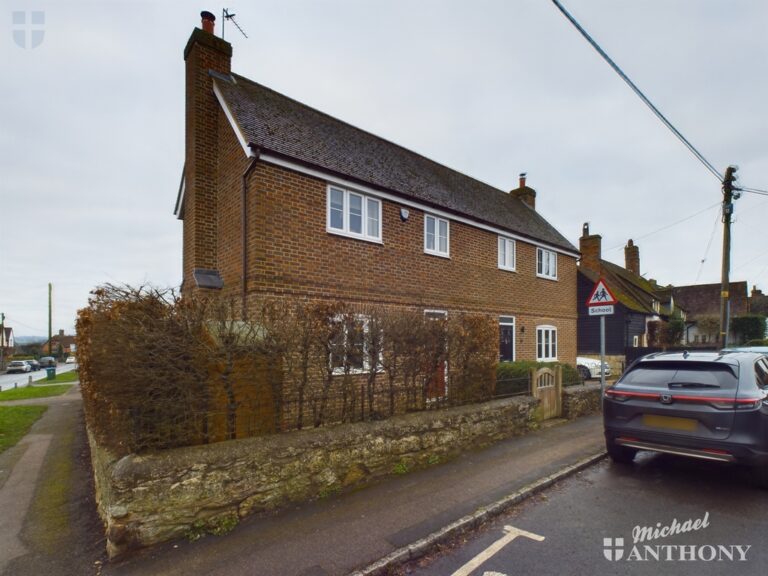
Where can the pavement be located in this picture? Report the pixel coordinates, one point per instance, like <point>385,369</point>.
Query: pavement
<point>363,532</point>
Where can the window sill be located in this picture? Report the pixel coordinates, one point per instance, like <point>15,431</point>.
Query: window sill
<point>353,236</point>
<point>546,359</point>
<point>505,269</point>
<point>550,278</point>
<point>438,254</point>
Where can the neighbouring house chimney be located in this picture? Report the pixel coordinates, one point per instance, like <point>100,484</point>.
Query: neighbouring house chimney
<point>590,246</point>
<point>209,21</point>
<point>632,258</point>
<point>205,56</point>
<point>61,333</point>
<point>524,193</point>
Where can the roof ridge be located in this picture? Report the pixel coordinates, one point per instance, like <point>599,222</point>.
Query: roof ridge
<point>335,119</point>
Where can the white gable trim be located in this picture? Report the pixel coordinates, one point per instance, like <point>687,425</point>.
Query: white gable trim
<point>332,179</point>
<point>232,122</point>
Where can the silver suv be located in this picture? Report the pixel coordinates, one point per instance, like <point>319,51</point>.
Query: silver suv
<point>710,405</point>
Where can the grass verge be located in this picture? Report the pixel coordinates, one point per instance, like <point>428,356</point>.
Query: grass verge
<point>33,392</point>
<point>71,376</point>
<point>15,421</point>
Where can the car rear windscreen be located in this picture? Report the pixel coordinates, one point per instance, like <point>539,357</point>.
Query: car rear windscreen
<point>672,375</point>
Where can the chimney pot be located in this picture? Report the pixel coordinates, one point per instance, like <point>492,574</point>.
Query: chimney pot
<point>209,21</point>
<point>522,179</point>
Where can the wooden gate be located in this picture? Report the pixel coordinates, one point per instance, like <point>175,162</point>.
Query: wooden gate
<point>547,386</point>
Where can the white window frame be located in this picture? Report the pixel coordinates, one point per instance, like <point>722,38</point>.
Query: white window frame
<point>508,321</point>
<point>366,360</point>
<point>345,231</point>
<point>635,341</point>
<point>510,247</point>
<point>547,356</point>
<point>541,253</point>
<point>436,251</point>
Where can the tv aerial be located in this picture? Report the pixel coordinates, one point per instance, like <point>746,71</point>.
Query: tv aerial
<point>227,15</point>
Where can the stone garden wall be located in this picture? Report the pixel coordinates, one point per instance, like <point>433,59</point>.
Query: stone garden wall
<point>149,498</point>
<point>581,400</point>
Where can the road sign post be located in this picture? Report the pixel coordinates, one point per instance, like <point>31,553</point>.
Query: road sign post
<point>600,303</point>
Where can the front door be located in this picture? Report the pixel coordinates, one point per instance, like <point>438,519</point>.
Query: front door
<point>507,339</point>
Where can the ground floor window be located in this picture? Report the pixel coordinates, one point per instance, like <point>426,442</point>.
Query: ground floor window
<point>348,348</point>
<point>546,343</point>
<point>507,339</point>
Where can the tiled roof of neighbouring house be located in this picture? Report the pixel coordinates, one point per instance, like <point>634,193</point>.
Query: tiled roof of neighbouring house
<point>704,299</point>
<point>283,126</point>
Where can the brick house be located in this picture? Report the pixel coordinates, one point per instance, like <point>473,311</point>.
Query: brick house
<point>703,302</point>
<point>280,200</point>
<point>60,343</point>
<point>640,301</point>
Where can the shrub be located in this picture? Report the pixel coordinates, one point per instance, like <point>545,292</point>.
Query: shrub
<point>748,328</point>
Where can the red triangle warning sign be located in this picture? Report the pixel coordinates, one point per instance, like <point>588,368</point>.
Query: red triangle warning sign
<point>601,296</point>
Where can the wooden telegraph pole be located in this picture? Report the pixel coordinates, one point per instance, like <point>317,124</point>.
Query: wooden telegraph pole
<point>728,197</point>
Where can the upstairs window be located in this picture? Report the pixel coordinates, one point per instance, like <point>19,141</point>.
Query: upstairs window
<point>546,264</point>
<point>436,236</point>
<point>352,214</point>
<point>506,253</point>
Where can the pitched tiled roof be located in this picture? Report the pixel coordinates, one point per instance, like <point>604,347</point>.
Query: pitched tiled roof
<point>704,299</point>
<point>283,126</point>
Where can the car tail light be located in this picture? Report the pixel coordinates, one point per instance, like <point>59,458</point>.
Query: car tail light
<point>623,396</point>
<point>723,403</point>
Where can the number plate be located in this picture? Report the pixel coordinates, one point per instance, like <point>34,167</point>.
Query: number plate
<point>670,422</point>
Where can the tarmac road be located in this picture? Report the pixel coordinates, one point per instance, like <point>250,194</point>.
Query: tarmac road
<point>566,527</point>
<point>21,379</point>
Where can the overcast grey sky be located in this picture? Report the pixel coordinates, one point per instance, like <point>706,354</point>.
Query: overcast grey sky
<point>92,133</point>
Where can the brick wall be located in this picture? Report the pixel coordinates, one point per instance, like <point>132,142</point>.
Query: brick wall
<point>204,52</point>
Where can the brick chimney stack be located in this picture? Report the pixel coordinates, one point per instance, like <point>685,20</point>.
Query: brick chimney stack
<point>590,246</point>
<point>204,55</point>
<point>632,258</point>
<point>524,193</point>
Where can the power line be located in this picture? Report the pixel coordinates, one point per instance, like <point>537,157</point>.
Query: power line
<point>639,93</point>
<point>752,190</point>
<point>666,227</point>
<point>709,245</point>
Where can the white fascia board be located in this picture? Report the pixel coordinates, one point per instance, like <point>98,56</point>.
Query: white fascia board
<point>232,122</point>
<point>333,179</point>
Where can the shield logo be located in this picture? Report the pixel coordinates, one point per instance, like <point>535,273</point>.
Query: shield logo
<point>613,549</point>
<point>665,398</point>
<point>28,28</point>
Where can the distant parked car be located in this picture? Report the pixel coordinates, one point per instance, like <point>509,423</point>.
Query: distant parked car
<point>34,364</point>
<point>48,362</point>
<point>590,368</point>
<point>18,366</point>
<point>70,360</point>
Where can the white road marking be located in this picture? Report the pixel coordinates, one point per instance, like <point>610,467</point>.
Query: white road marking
<point>511,534</point>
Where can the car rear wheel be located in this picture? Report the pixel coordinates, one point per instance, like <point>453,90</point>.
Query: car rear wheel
<point>584,373</point>
<point>620,454</point>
